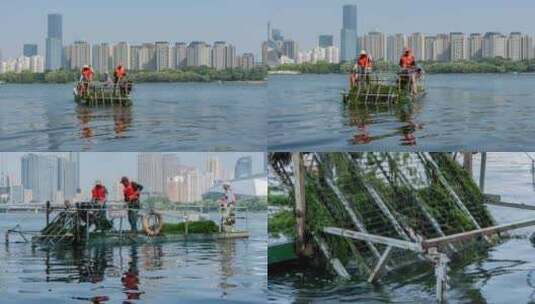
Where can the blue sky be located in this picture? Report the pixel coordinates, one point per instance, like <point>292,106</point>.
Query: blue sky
<point>111,166</point>
<point>243,22</point>
<point>237,21</point>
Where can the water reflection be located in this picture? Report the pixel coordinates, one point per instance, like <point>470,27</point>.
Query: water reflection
<point>89,117</point>
<point>130,278</point>
<point>364,116</point>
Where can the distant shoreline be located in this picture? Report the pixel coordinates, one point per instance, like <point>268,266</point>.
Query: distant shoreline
<point>483,66</point>
<point>192,75</point>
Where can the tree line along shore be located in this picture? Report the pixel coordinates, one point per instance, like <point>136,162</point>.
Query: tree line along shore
<point>496,65</point>
<point>201,74</point>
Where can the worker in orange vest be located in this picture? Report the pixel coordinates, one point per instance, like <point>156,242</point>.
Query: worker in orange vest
<point>99,195</point>
<point>362,68</point>
<point>85,78</point>
<point>118,75</point>
<point>132,192</point>
<point>407,63</point>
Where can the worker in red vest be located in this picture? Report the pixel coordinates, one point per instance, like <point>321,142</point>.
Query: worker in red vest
<point>118,76</point>
<point>362,68</point>
<point>132,192</point>
<point>99,195</point>
<point>407,63</point>
<point>86,76</point>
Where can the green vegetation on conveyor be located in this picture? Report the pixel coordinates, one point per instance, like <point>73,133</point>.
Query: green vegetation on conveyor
<point>409,203</point>
<point>193,227</point>
<point>201,74</point>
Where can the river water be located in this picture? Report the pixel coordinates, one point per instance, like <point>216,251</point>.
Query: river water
<point>164,117</point>
<point>506,275</point>
<point>231,271</point>
<point>483,112</point>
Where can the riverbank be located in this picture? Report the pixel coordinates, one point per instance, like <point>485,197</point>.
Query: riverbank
<point>484,66</point>
<point>202,74</point>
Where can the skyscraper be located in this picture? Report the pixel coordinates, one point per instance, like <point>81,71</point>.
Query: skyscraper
<point>290,49</point>
<point>457,46</point>
<point>150,172</point>
<point>441,48</point>
<point>29,50</point>
<point>121,55</point>
<point>475,46</point>
<point>101,57</point>
<point>325,41</point>
<point>180,52</point>
<point>219,55</point>
<point>348,34</point>
<point>54,42</point>
<point>40,175</point>
<point>527,47</point>
<point>198,54</point>
<point>494,45</point>
<point>395,44</point>
<point>374,44</point>
<point>244,167</point>
<point>416,42</point>
<point>163,55</point>
<point>80,54</point>
<point>514,46</point>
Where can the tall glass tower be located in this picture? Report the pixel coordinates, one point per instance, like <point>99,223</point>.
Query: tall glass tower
<point>54,42</point>
<point>348,34</point>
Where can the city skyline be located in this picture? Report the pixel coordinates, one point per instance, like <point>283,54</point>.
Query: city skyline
<point>404,17</point>
<point>109,167</point>
<point>200,20</point>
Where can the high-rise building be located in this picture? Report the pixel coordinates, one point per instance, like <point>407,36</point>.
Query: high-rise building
<point>54,42</point>
<point>290,49</point>
<point>332,54</point>
<point>374,43</point>
<point>121,55</point>
<point>527,47</point>
<point>29,50</point>
<point>348,34</point>
<point>244,167</point>
<point>325,41</point>
<point>198,54</point>
<point>214,167</point>
<point>80,55</point>
<point>170,165</point>
<point>458,46</point>
<point>37,64</point>
<point>475,46</point>
<point>180,53</point>
<point>40,175</point>
<point>276,35</point>
<point>494,45</point>
<point>150,172</point>
<point>68,176</point>
<point>395,45</point>
<point>514,46</point>
<point>247,61</point>
<point>101,57</point>
<point>429,48</point>
<point>163,55</point>
<point>147,57</point>
<point>66,57</point>
<point>416,42</point>
<point>74,158</point>
<point>219,55</point>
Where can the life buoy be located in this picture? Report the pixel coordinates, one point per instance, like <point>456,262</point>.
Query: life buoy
<point>152,230</point>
